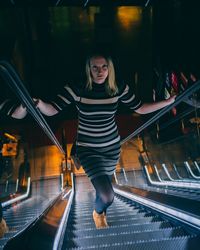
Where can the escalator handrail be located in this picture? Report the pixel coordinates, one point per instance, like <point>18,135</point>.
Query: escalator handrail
<point>181,184</point>
<point>20,197</point>
<point>13,80</point>
<point>178,117</point>
<point>37,225</point>
<point>59,237</point>
<point>188,92</point>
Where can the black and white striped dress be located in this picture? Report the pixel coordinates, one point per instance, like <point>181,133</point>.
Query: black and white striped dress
<point>97,138</point>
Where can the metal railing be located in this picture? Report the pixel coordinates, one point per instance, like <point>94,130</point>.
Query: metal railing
<point>20,197</point>
<point>164,183</point>
<point>9,74</point>
<point>188,92</point>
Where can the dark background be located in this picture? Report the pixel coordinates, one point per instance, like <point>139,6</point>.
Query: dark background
<point>48,44</point>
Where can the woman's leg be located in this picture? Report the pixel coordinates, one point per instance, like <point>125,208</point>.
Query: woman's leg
<point>104,198</point>
<point>104,193</point>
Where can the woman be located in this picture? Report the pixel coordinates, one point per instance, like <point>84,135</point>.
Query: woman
<point>98,141</point>
<point>17,111</point>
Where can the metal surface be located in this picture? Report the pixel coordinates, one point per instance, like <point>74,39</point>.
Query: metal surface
<point>20,215</point>
<point>131,225</point>
<point>188,92</point>
<point>20,197</point>
<point>176,184</point>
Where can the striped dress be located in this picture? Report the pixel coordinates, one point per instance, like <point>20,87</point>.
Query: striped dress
<point>98,141</point>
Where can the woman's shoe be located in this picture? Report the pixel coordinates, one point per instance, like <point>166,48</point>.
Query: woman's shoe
<point>105,219</point>
<point>99,220</point>
<point>3,228</point>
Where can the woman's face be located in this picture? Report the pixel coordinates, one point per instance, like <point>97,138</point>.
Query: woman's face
<point>98,69</point>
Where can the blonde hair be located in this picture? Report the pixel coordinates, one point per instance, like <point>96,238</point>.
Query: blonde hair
<point>111,85</point>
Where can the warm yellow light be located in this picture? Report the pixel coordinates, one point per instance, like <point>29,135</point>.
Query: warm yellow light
<point>11,137</point>
<point>129,15</point>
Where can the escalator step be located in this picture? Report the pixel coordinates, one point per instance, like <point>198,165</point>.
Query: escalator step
<point>131,226</point>
<point>116,229</point>
<point>115,222</point>
<point>123,237</point>
<point>109,217</point>
<point>17,220</point>
<point>179,243</point>
<point>85,213</point>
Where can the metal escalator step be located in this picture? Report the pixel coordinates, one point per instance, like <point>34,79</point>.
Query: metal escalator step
<point>83,219</point>
<point>124,237</point>
<point>85,214</point>
<point>79,204</point>
<point>3,241</point>
<point>119,211</point>
<point>113,209</point>
<point>17,227</point>
<point>85,209</point>
<point>123,227</point>
<point>131,220</point>
<point>118,230</point>
<point>17,220</point>
<point>23,222</point>
<point>120,214</point>
<point>179,243</point>
<point>115,222</point>
<point>10,234</point>
<point>19,215</point>
<point>127,219</point>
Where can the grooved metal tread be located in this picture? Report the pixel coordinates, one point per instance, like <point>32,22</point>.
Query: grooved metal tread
<point>179,243</point>
<point>20,215</point>
<point>131,226</point>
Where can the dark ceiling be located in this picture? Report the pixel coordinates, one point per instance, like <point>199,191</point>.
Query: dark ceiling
<point>83,3</point>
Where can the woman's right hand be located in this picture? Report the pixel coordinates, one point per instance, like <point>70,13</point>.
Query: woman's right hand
<point>20,112</point>
<point>36,101</point>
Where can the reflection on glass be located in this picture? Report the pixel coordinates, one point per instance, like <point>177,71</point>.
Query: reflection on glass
<point>129,16</point>
<point>62,18</point>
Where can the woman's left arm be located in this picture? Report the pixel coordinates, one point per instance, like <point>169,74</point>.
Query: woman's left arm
<point>151,107</point>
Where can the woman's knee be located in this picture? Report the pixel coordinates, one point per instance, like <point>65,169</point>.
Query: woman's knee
<point>108,197</point>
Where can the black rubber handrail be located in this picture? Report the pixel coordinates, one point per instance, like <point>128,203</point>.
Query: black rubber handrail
<point>9,74</point>
<point>188,92</point>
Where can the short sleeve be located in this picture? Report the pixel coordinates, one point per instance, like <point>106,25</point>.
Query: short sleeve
<point>66,97</point>
<point>128,98</point>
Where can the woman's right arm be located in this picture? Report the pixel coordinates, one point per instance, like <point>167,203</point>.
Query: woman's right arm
<point>61,101</point>
<point>45,108</point>
<point>13,109</point>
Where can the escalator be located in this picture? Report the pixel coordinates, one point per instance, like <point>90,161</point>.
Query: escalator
<point>20,215</point>
<point>131,226</point>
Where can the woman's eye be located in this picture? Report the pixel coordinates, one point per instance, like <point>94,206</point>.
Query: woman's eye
<point>94,68</point>
<point>105,67</point>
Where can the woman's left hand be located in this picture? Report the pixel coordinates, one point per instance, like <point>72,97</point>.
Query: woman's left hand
<point>171,99</point>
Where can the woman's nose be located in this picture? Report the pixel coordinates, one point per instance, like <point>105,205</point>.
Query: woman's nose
<point>99,69</point>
